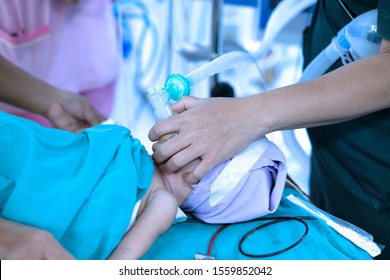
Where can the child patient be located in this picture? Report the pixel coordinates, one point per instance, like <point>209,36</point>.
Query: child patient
<point>100,195</point>
<point>246,187</point>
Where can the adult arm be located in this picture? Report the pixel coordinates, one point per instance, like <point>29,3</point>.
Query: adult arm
<point>217,129</point>
<point>22,242</point>
<point>64,109</point>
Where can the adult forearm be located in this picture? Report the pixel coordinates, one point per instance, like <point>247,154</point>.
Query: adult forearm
<point>357,89</point>
<point>18,241</point>
<point>217,129</point>
<point>22,90</point>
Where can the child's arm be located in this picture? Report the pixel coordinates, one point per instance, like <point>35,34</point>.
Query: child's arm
<point>157,216</point>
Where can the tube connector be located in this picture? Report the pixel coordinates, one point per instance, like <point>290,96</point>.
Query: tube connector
<point>159,102</point>
<point>177,86</point>
<point>162,110</point>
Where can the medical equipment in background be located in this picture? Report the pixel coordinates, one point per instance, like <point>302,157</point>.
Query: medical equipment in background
<point>281,16</point>
<point>134,29</point>
<point>177,85</point>
<point>198,52</point>
<point>356,40</point>
<point>144,72</point>
<point>216,44</point>
<point>284,12</point>
<point>128,13</point>
<point>223,32</point>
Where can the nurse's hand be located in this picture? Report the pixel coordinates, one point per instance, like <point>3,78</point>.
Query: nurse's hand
<point>21,242</point>
<point>66,110</point>
<point>73,112</point>
<point>212,130</point>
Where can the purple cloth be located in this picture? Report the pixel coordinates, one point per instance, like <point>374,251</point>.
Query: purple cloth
<point>258,193</point>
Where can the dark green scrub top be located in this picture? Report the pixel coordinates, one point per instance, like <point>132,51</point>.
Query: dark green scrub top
<point>350,176</point>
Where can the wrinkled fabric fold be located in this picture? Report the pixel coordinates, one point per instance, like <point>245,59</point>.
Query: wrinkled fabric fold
<point>256,194</point>
<point>80,187</point>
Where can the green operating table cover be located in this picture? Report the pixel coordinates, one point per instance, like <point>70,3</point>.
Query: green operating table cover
<point>183,240</point>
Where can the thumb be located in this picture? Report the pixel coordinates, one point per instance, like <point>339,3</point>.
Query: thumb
<point>185,103</point>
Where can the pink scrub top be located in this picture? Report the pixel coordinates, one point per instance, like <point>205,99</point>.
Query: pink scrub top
<point>71,46</point>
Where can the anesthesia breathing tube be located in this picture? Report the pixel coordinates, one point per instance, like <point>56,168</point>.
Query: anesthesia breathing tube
<point>356,40</point>
<point>177,85</point>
